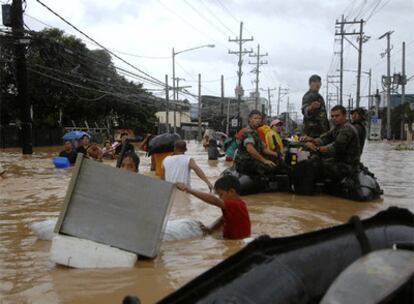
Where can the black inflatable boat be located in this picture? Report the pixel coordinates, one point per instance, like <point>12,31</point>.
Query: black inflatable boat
<point>277,183</point>
<point>299,269</point>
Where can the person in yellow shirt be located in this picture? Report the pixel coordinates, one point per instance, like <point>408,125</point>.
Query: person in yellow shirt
<point>273,138</point>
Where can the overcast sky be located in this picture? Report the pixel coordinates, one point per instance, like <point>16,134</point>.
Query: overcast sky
<point>297,35</point>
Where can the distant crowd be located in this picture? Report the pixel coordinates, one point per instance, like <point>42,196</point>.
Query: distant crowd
<point>90,149</point>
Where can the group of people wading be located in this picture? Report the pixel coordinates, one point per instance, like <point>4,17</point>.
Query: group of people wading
<point>336,150</point>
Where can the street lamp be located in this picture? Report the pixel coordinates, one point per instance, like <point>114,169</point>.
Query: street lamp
<point>173,72</point>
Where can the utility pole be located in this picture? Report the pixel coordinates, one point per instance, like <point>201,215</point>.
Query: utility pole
<point>167,104</point>
<point>377,102</point>
<point>173,88</point>
<point>388,81</point>
<point>331,79</point>
<point>1,92</point>
<point>403,82</point>
<point>341,88</point>
<point>240,53</point>
<point>199,107</point>
<point>369,85</point>
<point>177,103</point>
<point>361,40</point>
<point>21,76</point>
<point>228,116</point>
<point>222,96</point>
<point>287,122</point>
<point>178,87</point>
<point>404,77</point>
<point>269,96</point>
<point>369,100</point>
<point>256,70</point>
<point>341,54</point>
<point>349,106</point>
<point>282,92</point>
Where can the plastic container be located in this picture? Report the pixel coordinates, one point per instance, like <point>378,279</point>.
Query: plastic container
<point>80,253</point>
<point>61,162</point>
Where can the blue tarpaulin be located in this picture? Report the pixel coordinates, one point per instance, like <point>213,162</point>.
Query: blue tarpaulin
<point>74,135</point>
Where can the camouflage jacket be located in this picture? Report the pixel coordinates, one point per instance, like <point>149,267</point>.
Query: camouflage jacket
<point>362,133</point>
<point>343,143</point>
<point>315,123</point>
<point>249,136</point>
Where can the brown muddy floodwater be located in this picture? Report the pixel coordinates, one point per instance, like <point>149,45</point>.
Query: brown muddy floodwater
<point>32,190</point>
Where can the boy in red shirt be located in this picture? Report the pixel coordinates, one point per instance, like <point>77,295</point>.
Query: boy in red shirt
<point>236,221</point>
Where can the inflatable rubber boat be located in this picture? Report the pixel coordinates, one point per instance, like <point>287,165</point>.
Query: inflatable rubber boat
<point>276,183</point>
<point>301,269</point>
<point>308,179</point>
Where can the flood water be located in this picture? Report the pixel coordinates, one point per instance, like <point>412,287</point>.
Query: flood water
<point>32,190</point>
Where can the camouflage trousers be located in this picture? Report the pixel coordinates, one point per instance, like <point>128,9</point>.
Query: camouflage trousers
<point>335,170</point>
<point>257,169</point>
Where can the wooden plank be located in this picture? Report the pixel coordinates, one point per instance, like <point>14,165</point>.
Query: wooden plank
<point>117,208</point>
<point>69,191</point>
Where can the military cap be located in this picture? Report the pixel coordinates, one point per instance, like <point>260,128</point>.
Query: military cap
<point>361,111</point>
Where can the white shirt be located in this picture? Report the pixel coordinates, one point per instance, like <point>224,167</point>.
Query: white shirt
<point>177,169</point>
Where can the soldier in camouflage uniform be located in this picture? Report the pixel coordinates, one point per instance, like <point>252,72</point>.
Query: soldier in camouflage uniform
<point>339,147</point>
<point>315,119</point>
<point>358,121</point>
<point>253,158</point>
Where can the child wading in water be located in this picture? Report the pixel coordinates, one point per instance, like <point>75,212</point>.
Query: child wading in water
<point>130,162</point>
<point>235,220</point>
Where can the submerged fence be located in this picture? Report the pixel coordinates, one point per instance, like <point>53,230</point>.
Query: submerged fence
<point>10,136</point>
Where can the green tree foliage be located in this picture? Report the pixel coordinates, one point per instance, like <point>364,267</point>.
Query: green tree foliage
<point>65,76</point>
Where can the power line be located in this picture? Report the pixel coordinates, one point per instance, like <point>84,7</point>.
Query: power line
<point>193,78</point>
<point>232,16</point>
<point>114,50</point>
<point>228,11</point>
<point>191,25</point>
<point>214,80</point>
<point>205,18</point>
<point>75,53</point>
<point>373,11</point>
<point>80,76</point>
<point>393,53</point>
<point>217,18</point>
<point>54,78</point>
<point>106,84</point>
<point>91,39</point>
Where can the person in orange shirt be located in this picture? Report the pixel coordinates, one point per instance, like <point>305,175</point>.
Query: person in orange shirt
<point>239,133</point>
<point>262,131</point>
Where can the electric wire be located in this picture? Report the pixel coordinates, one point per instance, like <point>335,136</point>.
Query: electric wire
<point>100,45</point>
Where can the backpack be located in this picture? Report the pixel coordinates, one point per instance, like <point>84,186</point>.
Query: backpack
<point>305,175</point>
<point>361,186</point>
